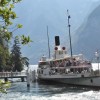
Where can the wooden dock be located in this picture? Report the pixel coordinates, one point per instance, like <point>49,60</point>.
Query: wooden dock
<point>7,75</point>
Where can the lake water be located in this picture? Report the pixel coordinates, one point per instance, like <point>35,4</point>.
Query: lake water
<point>39,91</point>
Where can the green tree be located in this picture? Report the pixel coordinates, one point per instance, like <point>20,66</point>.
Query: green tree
<point>16,56</point>
<point>25,61</point>
<point>17,61</point>
<point>4,86</point>
<point>7,15</point>
<point>4,56</point>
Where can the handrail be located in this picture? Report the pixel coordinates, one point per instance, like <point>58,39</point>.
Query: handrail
<point>12,74</point>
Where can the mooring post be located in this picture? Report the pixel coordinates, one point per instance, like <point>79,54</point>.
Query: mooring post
<point>22,79</point>
<point>28,79</point>
<point>6,79</point>
<point>33,76</point>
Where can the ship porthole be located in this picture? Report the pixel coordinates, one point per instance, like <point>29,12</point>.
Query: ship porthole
<point>82,75</point>
<point>91,80</point>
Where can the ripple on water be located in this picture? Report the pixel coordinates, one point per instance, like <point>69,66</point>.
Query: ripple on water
<point>19,91</point>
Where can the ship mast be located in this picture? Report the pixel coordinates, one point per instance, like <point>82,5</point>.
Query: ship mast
<point>48,42</point>
<point>69,33</point>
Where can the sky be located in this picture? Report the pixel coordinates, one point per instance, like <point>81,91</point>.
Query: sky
<point>35,15</point>
<point>29,10</point>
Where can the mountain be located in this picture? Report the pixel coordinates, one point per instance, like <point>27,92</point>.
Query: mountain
<point>35,15</point>
<point>88,35</point>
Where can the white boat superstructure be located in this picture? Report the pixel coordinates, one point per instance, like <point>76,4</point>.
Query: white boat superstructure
<point>66,69</point>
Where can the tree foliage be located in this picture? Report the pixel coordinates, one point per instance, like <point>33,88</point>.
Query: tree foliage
<point>4,86</point>
<point>7,61</point>
<point>7,15</point>
<point>25,61</point>
<point>4,56</point>
<point>17,60</point>
<point>16,56</point>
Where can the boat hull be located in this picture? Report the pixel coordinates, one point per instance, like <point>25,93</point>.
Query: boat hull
<point>93,81</point>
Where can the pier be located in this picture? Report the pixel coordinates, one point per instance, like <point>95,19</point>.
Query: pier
<point>7,75</point>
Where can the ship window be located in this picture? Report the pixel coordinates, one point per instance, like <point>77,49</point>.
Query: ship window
<point>79,70</point>
<point>91,81</point>
<point>60,52</point>
<point>43,63</point>
<point>56,70</point>
<point>72,70</point>
<point>41,71</point>
<point>82,75</point>
<point>65,52</point>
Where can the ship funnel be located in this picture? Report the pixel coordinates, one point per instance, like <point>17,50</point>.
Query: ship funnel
<point>57,41</point>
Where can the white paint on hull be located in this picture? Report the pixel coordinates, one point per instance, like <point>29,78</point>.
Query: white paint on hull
<point>86,81</point>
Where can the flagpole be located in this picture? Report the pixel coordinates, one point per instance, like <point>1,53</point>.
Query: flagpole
<point>69,33</point>
<point>48,42</point>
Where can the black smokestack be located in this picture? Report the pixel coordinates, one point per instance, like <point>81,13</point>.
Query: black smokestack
<point>57,41</point>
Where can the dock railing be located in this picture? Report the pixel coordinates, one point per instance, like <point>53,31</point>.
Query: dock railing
<point>12,74</point>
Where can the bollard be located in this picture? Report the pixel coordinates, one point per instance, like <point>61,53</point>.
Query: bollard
<point>22,79</point>
<point>33,76</point>
<point>28,79</point>
<point>6,79</point>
